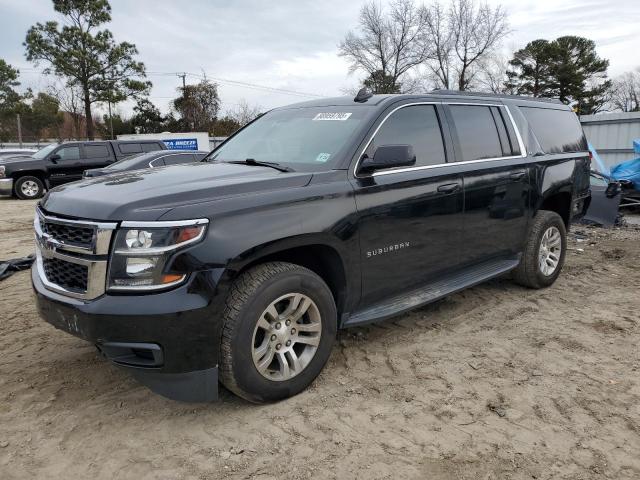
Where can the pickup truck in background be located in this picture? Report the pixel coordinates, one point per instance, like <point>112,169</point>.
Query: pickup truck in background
<point>59,163</point>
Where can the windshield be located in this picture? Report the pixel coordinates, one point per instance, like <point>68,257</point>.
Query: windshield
<point>306,139</point>
<point>133,161</point>
<point>43,152</point>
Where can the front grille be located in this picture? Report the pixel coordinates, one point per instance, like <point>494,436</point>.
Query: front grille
<point>70,276</point>
<point>69,234</point>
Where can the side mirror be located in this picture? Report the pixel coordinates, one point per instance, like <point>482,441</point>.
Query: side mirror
<point>55,157</point>
<point>389,156</point>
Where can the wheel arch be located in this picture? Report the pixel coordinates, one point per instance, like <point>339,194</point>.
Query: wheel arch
<point>316,254</point>
<point>560,203</point>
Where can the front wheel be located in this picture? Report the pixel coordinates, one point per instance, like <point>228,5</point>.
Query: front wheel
<point>279,327</point>
<point>544,252</point>
<point>29,188</point>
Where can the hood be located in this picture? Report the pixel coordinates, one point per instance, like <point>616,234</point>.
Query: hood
<point>17,158</point>
<point>148,194</point>
<point>96,172</point>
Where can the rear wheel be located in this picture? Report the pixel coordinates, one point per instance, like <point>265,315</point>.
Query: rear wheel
<point>544,253</point>
<point>29,188</point>
<point>279,327</point>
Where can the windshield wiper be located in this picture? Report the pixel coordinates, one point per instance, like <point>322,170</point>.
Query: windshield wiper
<point>252,161</point>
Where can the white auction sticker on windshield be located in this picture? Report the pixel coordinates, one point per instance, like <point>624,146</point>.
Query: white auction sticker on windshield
<point>340,116</point>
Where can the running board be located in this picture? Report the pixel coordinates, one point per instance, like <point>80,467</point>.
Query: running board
<point>431,292</point>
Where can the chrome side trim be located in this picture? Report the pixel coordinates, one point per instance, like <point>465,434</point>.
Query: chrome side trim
<point>161,224</point>
<point>523,152</point>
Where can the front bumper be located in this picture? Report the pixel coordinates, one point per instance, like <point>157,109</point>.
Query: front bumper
<point>6,186</point>
<point>168,341</point>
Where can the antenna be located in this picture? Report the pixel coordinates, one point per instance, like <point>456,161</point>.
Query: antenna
<point>363,95</point>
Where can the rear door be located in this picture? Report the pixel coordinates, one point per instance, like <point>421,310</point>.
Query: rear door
<point>496,181</point>
<point>408,218</point>
<point>96,155</point>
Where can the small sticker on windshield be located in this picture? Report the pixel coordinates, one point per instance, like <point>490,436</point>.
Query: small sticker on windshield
<point>323,157</point>
<point>340,116</point>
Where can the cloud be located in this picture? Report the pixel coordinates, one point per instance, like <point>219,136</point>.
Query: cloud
<point>292,44</point>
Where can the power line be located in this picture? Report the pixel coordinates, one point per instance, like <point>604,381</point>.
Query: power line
<point>237,83</point>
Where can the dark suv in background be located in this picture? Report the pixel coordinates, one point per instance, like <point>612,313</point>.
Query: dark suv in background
<point>59,163</point>
<point>317,216</point>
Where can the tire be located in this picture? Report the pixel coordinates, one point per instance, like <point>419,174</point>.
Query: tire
<point>530,271</point>
<point>250,323</point>
<point>28,188</point>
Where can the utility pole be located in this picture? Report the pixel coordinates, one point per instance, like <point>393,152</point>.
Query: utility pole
<point>184,82</point>
<point>19,129</point>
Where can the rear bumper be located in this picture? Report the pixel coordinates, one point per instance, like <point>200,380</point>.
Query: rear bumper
<point>168,341</point>
<point>6,186</point>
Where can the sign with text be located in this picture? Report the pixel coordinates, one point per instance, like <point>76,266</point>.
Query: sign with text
<point>181,143</point>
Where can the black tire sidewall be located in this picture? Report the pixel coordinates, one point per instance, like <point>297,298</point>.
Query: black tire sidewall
<point>18,190</point>
<point>551,220</point>
<point>248,379</point>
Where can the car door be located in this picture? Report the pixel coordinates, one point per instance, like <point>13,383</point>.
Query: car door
<point>496,181</point>
<point>408,218</point>
<point>64,165</point>
<point>96,155</point>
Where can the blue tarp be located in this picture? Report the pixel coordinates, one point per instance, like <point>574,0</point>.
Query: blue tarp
<point>629,170</point>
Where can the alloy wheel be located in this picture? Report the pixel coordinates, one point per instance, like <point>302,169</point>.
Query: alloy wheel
<point>550,251</point>
<point>286,337</point>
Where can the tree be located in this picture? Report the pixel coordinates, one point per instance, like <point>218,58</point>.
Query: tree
<point>86,57</point>
<point>198,106</point>
<point>226,126</point>
<point>531,69</point>
<point>378,82</point>
<point>71,104</point>
<point>8,82</point>
<point>147,117</point>
<point>388,44</point>
<point>475,31</point>
<point>567,68</point>
<point>44,115</point>
<point>625,92</point>
<point>243,113</point>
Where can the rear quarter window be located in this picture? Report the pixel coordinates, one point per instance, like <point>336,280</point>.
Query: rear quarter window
<point>557,131</point>
<point>151,147</point>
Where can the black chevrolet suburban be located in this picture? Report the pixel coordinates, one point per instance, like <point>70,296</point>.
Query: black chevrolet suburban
<point>317,216</point>
<point>27,177</point>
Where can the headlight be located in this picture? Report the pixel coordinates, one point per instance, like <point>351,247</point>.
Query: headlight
<point>1,171</point>
<point>141,251</point>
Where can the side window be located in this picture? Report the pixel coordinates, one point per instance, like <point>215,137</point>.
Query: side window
<point>557,131</point>
<point>158,162</point>
<point>151,147</point>
<point>177,159</point>
<point>416,125</point>
<point>95,151</point>
<point>69,153</point>
<point>129,148</point>
<point>477,132</point>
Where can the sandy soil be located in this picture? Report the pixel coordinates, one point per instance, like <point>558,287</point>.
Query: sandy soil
<point>497,382</point>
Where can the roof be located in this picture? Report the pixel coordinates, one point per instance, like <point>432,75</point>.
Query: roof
<point>380,99</point>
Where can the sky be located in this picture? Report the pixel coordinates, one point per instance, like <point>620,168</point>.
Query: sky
<point>273,53</point>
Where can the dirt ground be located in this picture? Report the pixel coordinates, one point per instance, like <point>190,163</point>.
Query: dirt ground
<point>497,382</point>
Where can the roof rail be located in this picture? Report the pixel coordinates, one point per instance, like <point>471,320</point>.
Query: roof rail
<point>494,95</point>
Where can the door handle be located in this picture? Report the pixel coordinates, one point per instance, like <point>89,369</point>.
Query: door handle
<point>517,175</point>
<point>449,188</point>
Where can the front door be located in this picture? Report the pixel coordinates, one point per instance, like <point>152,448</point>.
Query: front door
<point>408,218</point>
<point>64,165</point>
